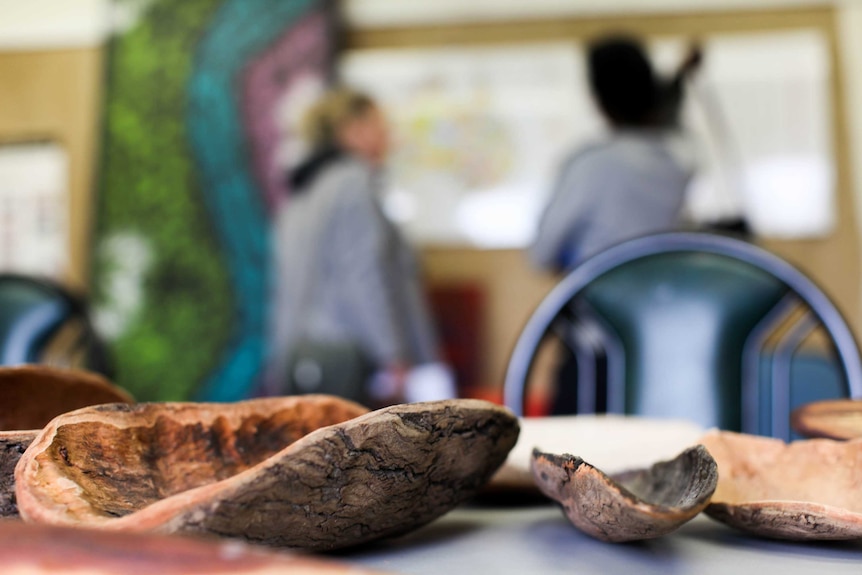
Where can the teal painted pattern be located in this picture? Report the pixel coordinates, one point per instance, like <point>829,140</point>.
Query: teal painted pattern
<point>214,118</point>
<point>180,244</point>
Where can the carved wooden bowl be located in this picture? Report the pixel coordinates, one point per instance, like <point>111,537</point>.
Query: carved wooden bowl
<point>835,419</point>
<point>30,397</point>
<point>613,443</point>
<point>808,489</point>
<point>631,506</point>
<point>313,472</point>
<point>33,395</point>
<point>50,550</point>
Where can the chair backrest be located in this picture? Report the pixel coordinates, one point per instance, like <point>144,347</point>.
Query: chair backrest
<point>32,313</point>
<point>691,315</point>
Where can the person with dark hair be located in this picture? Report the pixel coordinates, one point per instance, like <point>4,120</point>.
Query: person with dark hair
<point>623,82</point>
<point>347,298</point>
<point>631,183</point>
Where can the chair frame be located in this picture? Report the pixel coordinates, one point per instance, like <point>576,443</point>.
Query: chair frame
<point>573,284</point>
<point>78,309</point>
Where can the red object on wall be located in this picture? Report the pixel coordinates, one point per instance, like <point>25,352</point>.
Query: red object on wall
<point>459,314</point>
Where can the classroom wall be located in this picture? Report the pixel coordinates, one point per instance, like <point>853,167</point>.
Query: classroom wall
<point>52,47</point>
<point>511,288</point>
<point>833,262</point>
<point>52,24</point>
<point>56,94</point>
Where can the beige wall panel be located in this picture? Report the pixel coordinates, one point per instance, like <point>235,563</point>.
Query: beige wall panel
<point>512,291</point>
<point>832,262</point>
<point>57,95</point>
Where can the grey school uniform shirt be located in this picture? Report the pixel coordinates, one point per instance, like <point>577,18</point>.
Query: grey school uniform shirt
<point>344,273</point>
<point>629,185</point>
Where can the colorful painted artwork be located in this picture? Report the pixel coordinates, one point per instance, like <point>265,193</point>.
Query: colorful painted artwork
<point>200,108</point>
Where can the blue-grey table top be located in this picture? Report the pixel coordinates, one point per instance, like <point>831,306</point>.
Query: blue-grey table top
<point>539,540</point>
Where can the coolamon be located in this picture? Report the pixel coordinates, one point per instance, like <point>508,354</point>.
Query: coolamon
<point>30,397</point>
<point>310,472</point>
<point>801,490</point>
<point>630,506</point>
<point>41,549</point>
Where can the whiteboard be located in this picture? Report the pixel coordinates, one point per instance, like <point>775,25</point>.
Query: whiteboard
<point>34,207</point>
<point>479,133</point>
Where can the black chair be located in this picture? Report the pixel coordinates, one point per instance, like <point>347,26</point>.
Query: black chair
<point>34,312</point>
<point>692,325</point>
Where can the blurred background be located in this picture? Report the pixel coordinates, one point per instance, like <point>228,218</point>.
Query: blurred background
<point>143,145</point>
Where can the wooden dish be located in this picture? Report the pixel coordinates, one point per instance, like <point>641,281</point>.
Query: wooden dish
<point>631,506</point>
<point>313,472</point>
<point>33,395</point>
<point>835,419</point>
<point>810,489</point>
<point>50,550</point>
<point>30,397</point>
<point>613,443</point>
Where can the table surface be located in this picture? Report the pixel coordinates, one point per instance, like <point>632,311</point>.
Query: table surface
<point>539,540</point>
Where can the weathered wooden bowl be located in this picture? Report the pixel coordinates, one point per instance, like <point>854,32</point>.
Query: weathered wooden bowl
<point>631,506</point>
<point>30,397</point>
<point>835,419</point>
<point>50,550</point>
<point>310,472</point>
<point>809,489</point>
<point>33,395</point>
<point>613,443</point>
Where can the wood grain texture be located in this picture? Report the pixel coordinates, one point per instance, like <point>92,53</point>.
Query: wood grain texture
<point>38,549</point>
<point>215,469</point>
<point>12,447</point>
<point>835,419</point>
<point>33,395</point>
<point>802,490</point>
<point>632,506</point>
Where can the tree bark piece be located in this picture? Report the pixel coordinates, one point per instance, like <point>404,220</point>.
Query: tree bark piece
<point>43,550</point>
<point>808,489</point>
<point>12,446</point>
<point>308,472</point>
<point>33,395</point>
<point>631,506</point>
<point>835,419</point>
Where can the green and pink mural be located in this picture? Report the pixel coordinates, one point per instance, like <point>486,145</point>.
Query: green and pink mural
<point>201,106</point>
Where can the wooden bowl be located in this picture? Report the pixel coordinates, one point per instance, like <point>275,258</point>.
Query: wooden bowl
<point>613,443</point>
<point>631,506</point>
<point>49,550</point>
<point>312,472</point>
<point>33,395</point>
<point>835,419</point>
<point>30,397</point>
<point>810,489</point>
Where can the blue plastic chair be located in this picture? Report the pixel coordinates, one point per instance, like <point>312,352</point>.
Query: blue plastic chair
<point>695,326</point>
<point>33,311</point>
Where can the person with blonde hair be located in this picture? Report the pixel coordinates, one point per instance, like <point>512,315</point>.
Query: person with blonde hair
<point>348,302</point>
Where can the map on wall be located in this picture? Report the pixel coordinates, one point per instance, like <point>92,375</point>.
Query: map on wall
<point>478,133</point>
